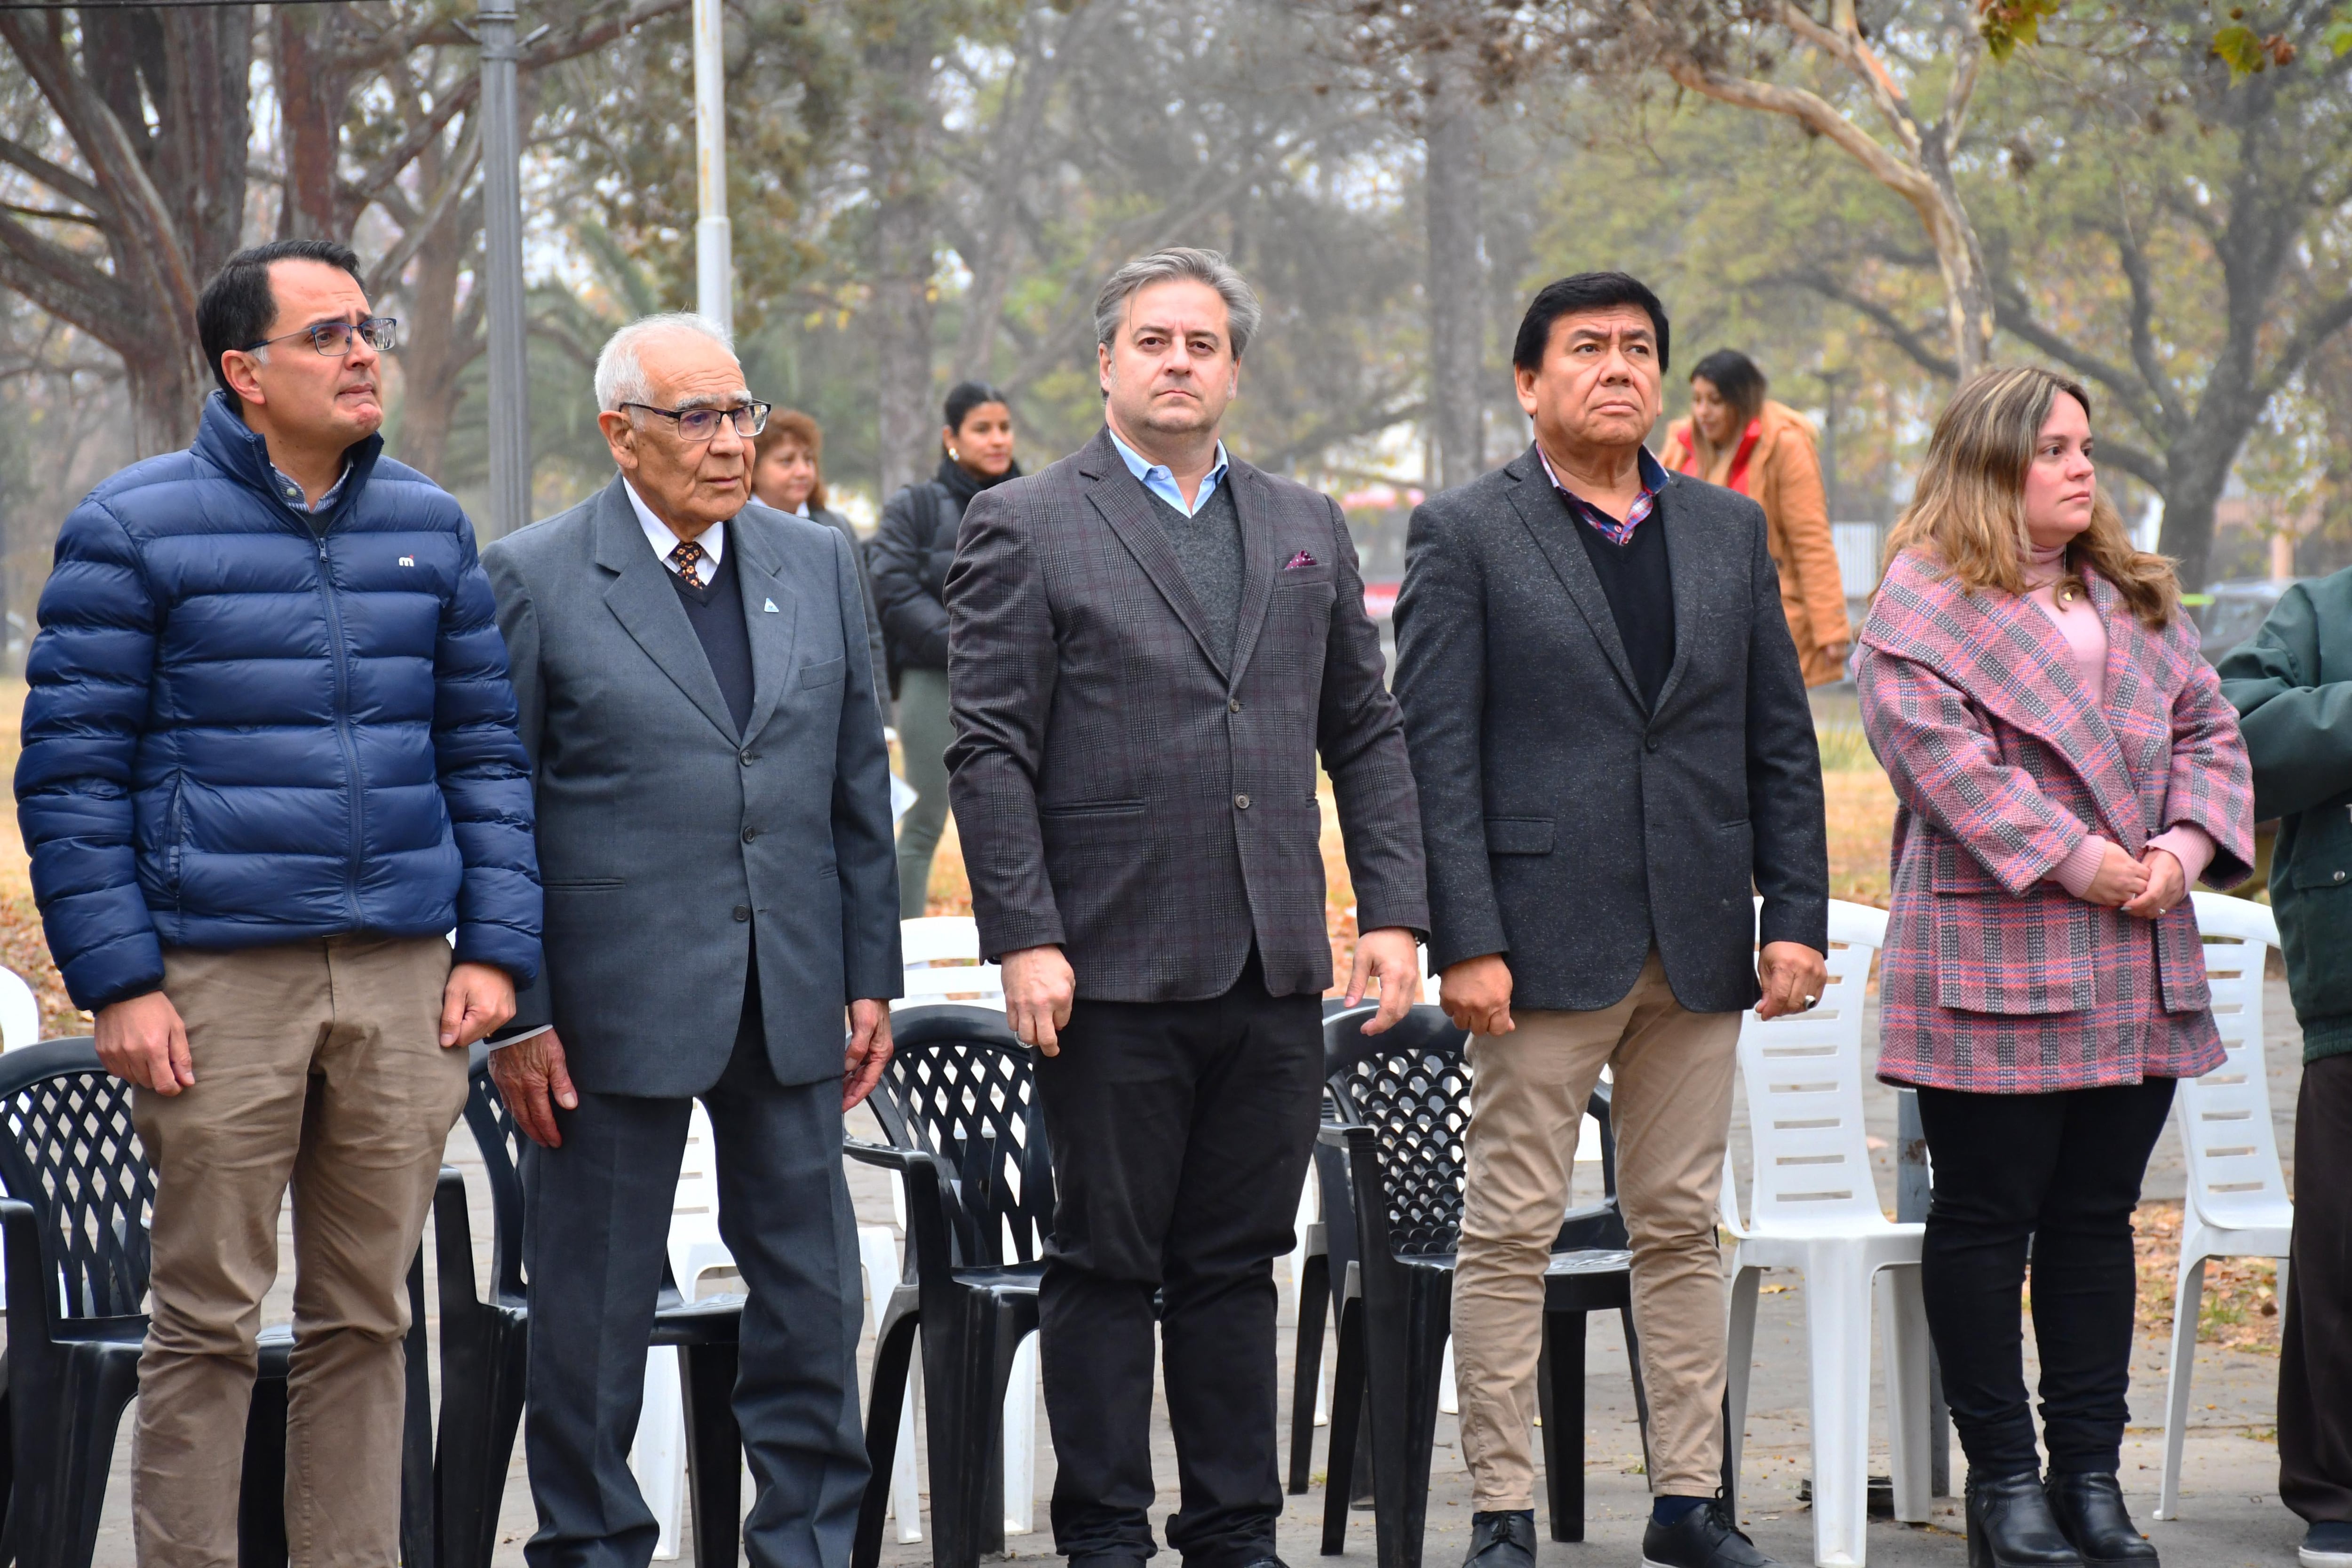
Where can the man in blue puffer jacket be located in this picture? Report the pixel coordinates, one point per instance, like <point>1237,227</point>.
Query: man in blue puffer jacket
<point>269,762</point>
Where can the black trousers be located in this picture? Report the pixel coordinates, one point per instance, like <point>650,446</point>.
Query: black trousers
<point>2060,1172</point>
<point>1181,1135</point>
<point>594,1244</point>
<point>2314,1399</point>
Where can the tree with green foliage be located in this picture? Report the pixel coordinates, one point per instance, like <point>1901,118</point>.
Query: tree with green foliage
<point>2119,189</point>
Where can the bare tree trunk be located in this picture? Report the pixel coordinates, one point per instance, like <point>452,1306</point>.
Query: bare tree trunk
<point>1456,289</point>
<point>2188,502</point>
<point>313,90</point>
<point>437,341</point>
<point>1968,293</point>
<point>167,198</point>
<point>898,136</point>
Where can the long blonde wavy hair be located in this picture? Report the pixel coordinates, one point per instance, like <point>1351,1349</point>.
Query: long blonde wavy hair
<point>1969,512</point>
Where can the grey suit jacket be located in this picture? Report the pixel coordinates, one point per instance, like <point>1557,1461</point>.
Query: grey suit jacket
<point>1123,792</point>
<point>670,846</point>
<point>1569,826</point>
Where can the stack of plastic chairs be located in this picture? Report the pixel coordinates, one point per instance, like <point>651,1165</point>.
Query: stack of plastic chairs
<point>2237,1203</point>
<point>657,1459</point>
<point>1814,1208</point>
<point>941,954</point>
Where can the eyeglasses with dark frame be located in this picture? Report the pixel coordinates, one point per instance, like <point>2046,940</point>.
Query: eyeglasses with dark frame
<point>333,339</point>
<point>696,426</point>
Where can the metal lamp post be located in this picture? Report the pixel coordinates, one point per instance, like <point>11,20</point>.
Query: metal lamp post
<point>714,237</point>
<point>509,423</point>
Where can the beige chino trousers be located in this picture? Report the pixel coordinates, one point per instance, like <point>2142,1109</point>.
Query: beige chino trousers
<point>318,1064</point>
<point>1671,1103</point>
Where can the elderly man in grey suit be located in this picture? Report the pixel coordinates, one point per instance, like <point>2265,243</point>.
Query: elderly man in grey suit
<point>714,831</point>
<point>1149,645</point>
<point>1610,729</point>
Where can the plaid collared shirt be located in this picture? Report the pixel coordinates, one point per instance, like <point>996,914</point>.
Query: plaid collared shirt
<point>1653,480</point>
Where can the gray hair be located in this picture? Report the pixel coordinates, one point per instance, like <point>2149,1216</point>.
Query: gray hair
<point>1172,265</point>
<point>620,367</point>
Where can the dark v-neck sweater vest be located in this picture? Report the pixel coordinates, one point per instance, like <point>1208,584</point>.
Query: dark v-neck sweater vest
<point>715,612</point>
<point>1208,546</point>
<point>1637,579</point>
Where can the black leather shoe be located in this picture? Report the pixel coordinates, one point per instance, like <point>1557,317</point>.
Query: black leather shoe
<point>1706,1537</point>
<point>2011,1526</point>
<point>2090,1513</point>
<point>1501,1541</point>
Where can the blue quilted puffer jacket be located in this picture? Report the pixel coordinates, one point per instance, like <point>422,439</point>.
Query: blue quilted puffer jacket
<point>241,731</point>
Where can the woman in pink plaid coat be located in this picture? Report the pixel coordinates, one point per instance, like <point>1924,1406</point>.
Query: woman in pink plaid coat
<point>2065,768</point>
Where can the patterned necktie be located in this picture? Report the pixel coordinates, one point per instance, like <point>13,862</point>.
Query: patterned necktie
<point>687,562</point>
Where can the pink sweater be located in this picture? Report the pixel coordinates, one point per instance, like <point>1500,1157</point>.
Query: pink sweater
<point>2087,638</point>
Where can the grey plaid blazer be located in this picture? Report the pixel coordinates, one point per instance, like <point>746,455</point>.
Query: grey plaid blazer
<point>1121,791</point>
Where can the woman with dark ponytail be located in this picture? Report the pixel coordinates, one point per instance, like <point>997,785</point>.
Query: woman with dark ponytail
<point>911,551</point>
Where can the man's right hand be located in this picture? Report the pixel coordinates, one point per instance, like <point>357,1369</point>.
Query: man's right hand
<point>1038,990</point>
<point>142,1040</point>
<point>530,1075</point>
<point>1477,995</point>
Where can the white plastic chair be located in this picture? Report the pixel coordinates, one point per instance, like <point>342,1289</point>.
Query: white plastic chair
<point>2237,1203</point>
<point>658,1457</point>
<point>20,1011</point>
<point>942,957</point>
<point>1814,1209</point>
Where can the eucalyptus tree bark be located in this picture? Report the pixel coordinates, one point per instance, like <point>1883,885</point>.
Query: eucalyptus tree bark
<point>438,340</point>
<point>155,104</point>
<point>1914,161</point>
<point>313,91</point>
<point>897,133</point>
<point>1456,289</point>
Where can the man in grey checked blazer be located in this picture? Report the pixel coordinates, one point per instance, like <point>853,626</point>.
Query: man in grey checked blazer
<point>1149,645</point>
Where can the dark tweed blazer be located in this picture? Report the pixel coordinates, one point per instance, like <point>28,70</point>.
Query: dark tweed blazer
<point>1568,826</point>
<point>1119,789</point>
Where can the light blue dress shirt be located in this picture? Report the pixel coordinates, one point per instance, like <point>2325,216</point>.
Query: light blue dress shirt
<point>1159,481</point>
<point>295,495</point>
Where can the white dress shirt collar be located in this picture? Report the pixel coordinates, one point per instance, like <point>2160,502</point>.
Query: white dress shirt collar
<point>713,539</point>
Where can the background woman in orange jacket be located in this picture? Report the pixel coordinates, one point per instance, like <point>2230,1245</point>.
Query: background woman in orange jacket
<point>1739,438</point>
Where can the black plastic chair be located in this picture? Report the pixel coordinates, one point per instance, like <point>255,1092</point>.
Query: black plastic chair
<point>1403,1099</point>
<point>79,1200</point>
<point>960,1108</point>
<point>485,1339</point>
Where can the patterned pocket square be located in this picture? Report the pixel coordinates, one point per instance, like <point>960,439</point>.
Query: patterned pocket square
<point>1299,560</point>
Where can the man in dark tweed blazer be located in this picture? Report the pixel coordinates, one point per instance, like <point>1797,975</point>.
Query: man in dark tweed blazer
<point>1149,645</point>
<point>1609,727</point>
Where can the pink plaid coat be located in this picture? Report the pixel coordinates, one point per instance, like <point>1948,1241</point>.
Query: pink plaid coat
<point>1993,979</point>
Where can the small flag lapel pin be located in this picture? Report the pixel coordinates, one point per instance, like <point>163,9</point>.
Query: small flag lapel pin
<point>771,607</point>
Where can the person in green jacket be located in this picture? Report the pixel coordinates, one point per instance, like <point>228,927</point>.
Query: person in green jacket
<point>2292,686</point>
